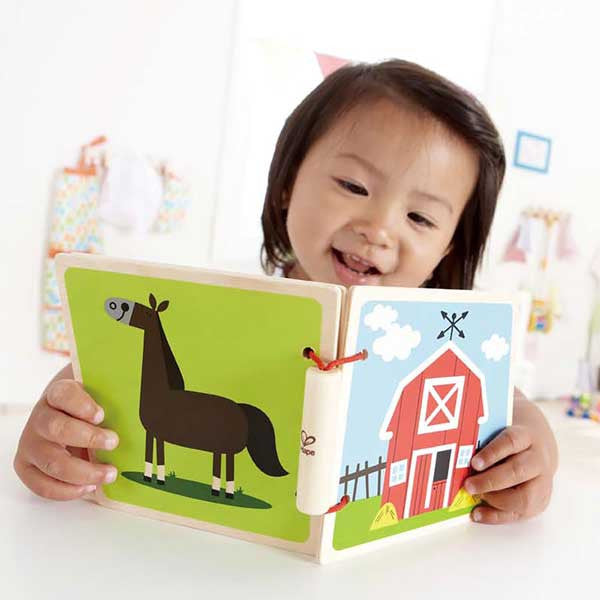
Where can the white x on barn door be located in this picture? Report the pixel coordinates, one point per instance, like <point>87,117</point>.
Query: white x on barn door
<point>440,404</point>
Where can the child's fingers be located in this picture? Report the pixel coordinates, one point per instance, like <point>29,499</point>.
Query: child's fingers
<point>517,469</point>
<point>526,500</point>
<point>47,487</point>
<point>56,462</point>
<point>55,426</point>
<point>493,516</point>
<point>69,396</point>
<point>512,440</point>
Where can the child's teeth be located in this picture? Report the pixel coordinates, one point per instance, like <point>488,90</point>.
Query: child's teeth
<point>356,260</point>
<point>359,260</point>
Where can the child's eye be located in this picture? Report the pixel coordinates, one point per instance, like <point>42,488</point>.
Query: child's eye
<point>420,220</point>
<point>353,188</point>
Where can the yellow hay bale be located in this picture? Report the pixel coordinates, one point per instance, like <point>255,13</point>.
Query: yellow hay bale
<point>463,500</point>
<point>385,517</point>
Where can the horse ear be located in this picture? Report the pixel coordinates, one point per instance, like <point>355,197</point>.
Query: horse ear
<point>152,300</point>
<point>162,306</point>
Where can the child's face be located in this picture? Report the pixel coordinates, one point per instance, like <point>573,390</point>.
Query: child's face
<point>377,198</point>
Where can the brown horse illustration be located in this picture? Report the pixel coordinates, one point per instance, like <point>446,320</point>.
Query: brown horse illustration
<point>170,413</point>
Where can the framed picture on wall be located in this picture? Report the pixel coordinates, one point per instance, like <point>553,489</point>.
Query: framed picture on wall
<point>532,152</point>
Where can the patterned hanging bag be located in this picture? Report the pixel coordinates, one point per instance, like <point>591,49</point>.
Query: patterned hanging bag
<point>73,228</point>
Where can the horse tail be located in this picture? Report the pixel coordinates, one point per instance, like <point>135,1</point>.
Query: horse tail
<point>261,441</point>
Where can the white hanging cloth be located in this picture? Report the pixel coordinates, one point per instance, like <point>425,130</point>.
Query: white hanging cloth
<point>132,192</point>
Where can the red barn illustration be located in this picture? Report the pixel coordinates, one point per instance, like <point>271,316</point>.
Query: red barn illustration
<point>432,425</point>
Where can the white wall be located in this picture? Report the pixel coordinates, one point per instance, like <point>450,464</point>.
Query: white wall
<point>542,80</point>
<point>152,76</point>
<point>530,63</point>
<point>451,38</point>
<point>155,75</point>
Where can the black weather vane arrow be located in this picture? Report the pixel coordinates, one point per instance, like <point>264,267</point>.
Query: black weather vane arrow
<point>453,321</point>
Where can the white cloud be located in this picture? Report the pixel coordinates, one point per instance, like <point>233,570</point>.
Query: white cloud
<point>381,317</point>
<point>398,342</point>
<point>495,348</point>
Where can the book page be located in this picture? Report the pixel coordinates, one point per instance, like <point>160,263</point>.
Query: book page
<point>202,375</point>
<point>436,387</point>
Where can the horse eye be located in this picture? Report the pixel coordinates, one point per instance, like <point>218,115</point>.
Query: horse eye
<point>112,305</point>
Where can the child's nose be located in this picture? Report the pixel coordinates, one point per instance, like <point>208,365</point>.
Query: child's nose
<point>379,225</point>
<point>376,236</point>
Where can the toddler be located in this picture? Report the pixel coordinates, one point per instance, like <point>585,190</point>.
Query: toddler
<point>385,174</point>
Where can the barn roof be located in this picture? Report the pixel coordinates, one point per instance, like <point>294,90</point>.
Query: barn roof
<point>384,434</point>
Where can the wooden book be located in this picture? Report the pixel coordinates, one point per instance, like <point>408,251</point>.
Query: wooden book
<point>226,425</point>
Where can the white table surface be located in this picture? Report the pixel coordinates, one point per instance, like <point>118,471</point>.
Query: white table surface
<point>84,551</point>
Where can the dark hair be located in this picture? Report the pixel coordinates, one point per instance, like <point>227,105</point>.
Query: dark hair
<point>431,95</point>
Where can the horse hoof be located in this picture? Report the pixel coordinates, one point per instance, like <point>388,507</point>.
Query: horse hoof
<point>160,482</point>
<point>230,496</point>
<point>146,478</point>
<point>215,492</point>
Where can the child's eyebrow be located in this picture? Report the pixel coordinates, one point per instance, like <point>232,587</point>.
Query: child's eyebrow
<point>364,162</point>
<point>427,196</point>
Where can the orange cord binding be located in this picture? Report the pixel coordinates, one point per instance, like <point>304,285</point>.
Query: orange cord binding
<point>341,504</point>
<point>311,354</point>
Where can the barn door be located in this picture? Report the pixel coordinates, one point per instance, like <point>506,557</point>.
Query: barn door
<point>440,479</point>
<point>429,477</point>
<point>419,489</point>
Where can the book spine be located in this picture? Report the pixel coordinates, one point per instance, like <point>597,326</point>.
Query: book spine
<point>316,468</point>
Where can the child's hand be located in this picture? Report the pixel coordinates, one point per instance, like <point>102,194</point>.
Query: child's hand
<point>51,458</point>
<point>516,468</point>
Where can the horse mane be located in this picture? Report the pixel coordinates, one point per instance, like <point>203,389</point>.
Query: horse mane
<point>173,373</point>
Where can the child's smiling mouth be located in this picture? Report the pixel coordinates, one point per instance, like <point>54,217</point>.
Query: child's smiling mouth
<point>352,270</point>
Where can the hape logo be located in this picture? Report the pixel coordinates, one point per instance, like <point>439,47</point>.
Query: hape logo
<point>307,440</point>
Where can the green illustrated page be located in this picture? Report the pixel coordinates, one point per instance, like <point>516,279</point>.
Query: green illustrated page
<point>204,374</point>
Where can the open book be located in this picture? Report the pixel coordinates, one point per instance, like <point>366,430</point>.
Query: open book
<point>226,425</point>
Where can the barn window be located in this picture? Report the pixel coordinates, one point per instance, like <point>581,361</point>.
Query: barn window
<point>464,456</point>
<point>398,472</point>
<point>442,465</point>
<point>441,403</point>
